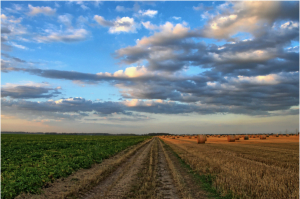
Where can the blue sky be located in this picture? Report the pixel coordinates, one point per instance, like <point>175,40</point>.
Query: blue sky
<point>141,67</point>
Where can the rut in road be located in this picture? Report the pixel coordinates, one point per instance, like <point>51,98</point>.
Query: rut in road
<point>117,184</point>
<point>155,179</point>
<point>153,172</point>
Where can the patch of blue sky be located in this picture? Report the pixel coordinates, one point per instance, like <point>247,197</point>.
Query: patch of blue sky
<point>207,41</point>
<point>101,91</point>
<point>195,70</point>
<point>294,43</point>
<point>241,36</point>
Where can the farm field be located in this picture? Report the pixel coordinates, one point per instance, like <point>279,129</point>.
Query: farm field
<point>30,162</point>
<point>163,168</point>
<point>149,169</point>
<point>251,168</point>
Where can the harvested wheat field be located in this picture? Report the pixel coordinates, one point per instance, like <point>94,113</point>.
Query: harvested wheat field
<point>254,168</point>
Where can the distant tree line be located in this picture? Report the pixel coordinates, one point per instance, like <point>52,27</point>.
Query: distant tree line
<point>55,133</point>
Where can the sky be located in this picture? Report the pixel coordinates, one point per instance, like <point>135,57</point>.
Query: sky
<point>192,67</point>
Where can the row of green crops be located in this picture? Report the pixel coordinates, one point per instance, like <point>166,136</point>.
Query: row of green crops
<point>29,162</point>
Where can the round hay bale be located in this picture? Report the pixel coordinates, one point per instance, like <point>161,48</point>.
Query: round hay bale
<point>173,137</point>
<point>237,137</point>
<point>201,139</point>
<point>231,138</point>
<point>205,137</point>
<point>190,137</point>
<point>246,137</point>
<point>287,135</point>
<point>263,137</point>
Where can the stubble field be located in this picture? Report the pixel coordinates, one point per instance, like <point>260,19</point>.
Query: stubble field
<point>251,168</point>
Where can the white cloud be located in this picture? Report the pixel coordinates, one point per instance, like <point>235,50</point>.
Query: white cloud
<point>3,16</point>
<point>243,16</point>
<point>81,21</point>
<point>82,5</point>
<point>149,13</point>
<point>135,8</point>
<point>97,3</point>
<point>262,79</point>
<point>168,32</point>
<point>131,72</point>
<point>65,19</point>
<point>149,26</point>
<point>56,4</point>
<point>71,35</point>
<point>41,10</point>
<point>124,24</point>
<point>120,9</point>
<point>18,46</point>
<point>103,22</point>
<point>176,18</point>
<point>199,7</point>
<point>27,83</point>
<point>290,25</point>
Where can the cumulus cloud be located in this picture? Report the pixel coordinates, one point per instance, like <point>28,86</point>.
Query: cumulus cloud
<point>148,13</point>
<point>169,33</point>
<point>40,10</point>
<point>124,24</point>
<point>246,16</point>
<point>256,75</point>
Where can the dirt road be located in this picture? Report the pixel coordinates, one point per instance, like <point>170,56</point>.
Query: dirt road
<point>152,172</point>
<point>148,170</point>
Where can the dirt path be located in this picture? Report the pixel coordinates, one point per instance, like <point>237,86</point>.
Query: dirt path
<point>118,183</point>
<point>153,172</point>
<point>148,170</point>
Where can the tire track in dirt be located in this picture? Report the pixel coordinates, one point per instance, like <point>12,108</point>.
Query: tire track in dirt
<point>185,183</point>
<point>118,183</point>
<point>163,176</point>
<point>167,185</point>
<point>155,178</point>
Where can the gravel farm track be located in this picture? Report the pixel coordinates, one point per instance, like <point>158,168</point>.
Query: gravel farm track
<point>147,170</point>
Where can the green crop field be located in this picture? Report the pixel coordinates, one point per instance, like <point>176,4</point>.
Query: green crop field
<point>28,162</point>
